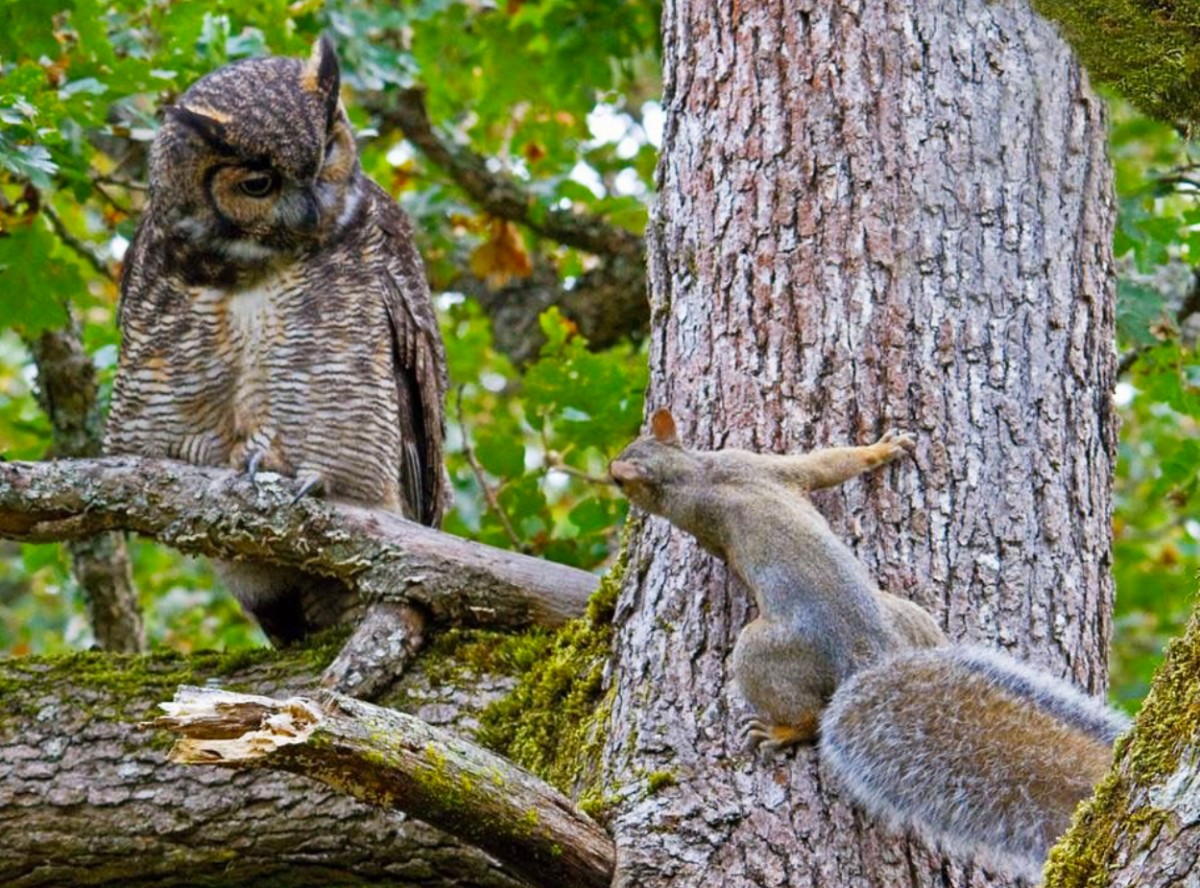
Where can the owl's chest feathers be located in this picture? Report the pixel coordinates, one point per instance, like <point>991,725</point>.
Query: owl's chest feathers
<point>255,330</point>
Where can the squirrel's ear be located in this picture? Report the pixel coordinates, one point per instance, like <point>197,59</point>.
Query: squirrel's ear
<point>662,424</point>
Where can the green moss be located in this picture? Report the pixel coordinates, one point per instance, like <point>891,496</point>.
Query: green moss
<point>554,722</point>
<point>1147,50</point>
<point>656,781</point>
<point>458,653</point>
<point>1166,727</point>
<point>128,687</point>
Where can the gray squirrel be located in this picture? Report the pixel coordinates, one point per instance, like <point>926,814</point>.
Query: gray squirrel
<point>983,755</point>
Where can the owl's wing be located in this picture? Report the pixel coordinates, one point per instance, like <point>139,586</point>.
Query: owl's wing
<point>140,301</point>
<point>420,362</point>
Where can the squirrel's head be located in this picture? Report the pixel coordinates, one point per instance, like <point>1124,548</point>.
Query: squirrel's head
<point>647,468</point>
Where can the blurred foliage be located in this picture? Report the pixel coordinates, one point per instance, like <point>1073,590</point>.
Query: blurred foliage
<point>559,94</point>
<point>554,93</point>
<point>1157,536</point>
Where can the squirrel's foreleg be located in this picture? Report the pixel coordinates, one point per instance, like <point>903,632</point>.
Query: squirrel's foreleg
<point>833,465</point>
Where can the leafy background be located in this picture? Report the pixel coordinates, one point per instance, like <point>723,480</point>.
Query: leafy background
<point>558,98</point>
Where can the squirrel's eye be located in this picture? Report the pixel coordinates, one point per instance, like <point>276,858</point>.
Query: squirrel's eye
<point>259,185</point>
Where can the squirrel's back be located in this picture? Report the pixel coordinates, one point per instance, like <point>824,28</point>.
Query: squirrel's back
<point>971,748</point>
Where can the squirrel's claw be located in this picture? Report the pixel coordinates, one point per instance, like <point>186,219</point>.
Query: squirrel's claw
<point>772,738</point>
<point>897,444</point>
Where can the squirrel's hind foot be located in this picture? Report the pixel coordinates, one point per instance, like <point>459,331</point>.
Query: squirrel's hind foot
<point>771,737</point>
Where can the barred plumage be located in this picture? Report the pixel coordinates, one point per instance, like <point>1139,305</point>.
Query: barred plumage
<point>275,311</point>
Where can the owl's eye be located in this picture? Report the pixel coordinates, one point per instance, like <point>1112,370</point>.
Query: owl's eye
<point>259,185</point>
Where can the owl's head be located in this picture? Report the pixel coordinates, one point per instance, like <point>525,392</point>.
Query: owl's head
<point>256,160</point>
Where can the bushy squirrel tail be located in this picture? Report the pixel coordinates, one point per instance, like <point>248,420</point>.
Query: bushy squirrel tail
<point>982,754</point>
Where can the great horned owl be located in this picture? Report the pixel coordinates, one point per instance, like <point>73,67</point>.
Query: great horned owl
<point>275,313</point>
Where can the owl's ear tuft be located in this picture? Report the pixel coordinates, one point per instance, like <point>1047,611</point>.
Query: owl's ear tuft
<point>208,125</point>
<point>322,75</point>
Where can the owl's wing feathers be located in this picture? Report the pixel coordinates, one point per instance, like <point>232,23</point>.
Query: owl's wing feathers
<point>420,362</point>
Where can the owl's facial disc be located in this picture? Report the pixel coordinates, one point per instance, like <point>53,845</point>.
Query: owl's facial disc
<point>256,203</point>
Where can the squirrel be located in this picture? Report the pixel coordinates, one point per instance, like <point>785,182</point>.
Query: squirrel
<point>983,755</point>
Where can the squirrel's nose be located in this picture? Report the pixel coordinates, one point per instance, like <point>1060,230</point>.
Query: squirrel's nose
<point>622,472</point>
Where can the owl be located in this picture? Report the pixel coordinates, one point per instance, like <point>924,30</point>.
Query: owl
<point>275,314</point>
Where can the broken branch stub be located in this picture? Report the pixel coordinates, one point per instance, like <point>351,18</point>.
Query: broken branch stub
<point>399,762</point>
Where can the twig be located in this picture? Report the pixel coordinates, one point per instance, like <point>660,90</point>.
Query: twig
<point>128,184</point>
<point>84,251</point>
<point>554,463</point>
<point>110,200</point>
<point>500,195</point>
<point>488,494</point>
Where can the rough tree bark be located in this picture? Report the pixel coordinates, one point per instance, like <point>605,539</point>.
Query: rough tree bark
<point>871,215</point>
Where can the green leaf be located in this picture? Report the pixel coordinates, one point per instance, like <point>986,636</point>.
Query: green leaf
<point>1138,308</point>
<point>502,455</point>
<point>35,279</point>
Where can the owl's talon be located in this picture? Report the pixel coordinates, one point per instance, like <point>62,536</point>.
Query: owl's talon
<point>253,463</point>
<point>308,484</point>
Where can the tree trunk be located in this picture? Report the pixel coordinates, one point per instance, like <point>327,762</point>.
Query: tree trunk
<point>87,799</point>
<point>68,395</point>
<point>871,215</point>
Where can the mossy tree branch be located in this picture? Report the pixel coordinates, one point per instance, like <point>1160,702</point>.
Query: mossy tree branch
<point>216,512</point>
<point>1146,50</point>
<point>399,762</point>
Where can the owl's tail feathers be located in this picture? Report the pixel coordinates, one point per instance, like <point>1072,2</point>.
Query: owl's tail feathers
<point>288,603</point>
<point>282,618</point>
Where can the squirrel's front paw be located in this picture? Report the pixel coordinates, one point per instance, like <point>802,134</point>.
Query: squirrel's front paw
<point>895,444</point>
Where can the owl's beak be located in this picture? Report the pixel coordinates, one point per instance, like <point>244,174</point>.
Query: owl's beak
<point>310,219</point>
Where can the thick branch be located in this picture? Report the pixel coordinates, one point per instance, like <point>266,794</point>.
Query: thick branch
<point>216,512</point>
<point>499,195</point>
<point>607,304</point>
<point>87,800</point>
<point>398,762</point>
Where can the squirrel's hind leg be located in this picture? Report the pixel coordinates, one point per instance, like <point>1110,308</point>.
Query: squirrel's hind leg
<point>761,734</point>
